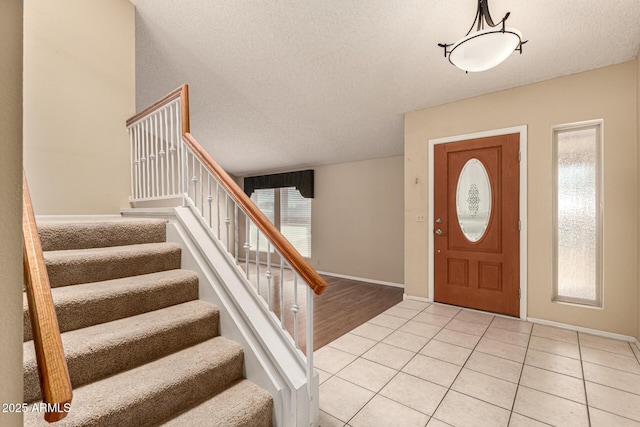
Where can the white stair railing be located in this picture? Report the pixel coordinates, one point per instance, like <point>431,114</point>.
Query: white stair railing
<point>167,162</point>
<point>155,139</point>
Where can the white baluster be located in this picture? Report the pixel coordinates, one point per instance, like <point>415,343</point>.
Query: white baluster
<point>309,338</point>
<point>194,179</point>
<point>268,274</point>
<point>137,161</point>
<point>227,220</point>
<point>247,246</point>
<point>154,156</point>
<point>162,153</point>
<point>258,260</point>
<point>131,164</point>
<point>172,152</point>
<point>281,291</point>
<point>178,137</point>
<point>294,308</point>
<point>149,176</point>
<point>143,160</point>
<point>235,233</point>
<point>218,208</point>
<point>184,171</point>
<point>201,191</point>
<point>209,197</point>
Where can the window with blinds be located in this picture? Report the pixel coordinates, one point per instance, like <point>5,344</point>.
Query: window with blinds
<point>295,219</point>
<point>289,212</point>
<point>265,200</point>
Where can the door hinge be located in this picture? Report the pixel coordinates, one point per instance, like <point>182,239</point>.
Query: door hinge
<point>519,156</point>
<point>519,225</point>
<point>519,293</point>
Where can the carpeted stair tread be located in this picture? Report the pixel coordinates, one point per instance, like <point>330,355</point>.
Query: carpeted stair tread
<point>71,267</point>
<point>80,306</point>
<point>64,235</point>
<point>244,404</point>
<point>156,391</point>
<point>98,351</point>
<point>141,347</point>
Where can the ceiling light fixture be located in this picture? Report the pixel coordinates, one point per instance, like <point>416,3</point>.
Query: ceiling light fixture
<point>484,48</point>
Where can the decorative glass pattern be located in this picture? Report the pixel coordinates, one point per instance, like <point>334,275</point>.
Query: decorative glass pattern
<point>473,200</point>
<point>577,215</point>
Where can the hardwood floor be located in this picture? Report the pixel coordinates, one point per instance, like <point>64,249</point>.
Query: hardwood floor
<point>344,305</point>
<point>347,304</point>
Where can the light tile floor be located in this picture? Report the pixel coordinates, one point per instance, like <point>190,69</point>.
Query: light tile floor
<point>421,364</point>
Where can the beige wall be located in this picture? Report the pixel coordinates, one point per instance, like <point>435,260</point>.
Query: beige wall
<point>607,93</point>
<point>357,220</point>
<point>11,208</point>
<point>79,88</point>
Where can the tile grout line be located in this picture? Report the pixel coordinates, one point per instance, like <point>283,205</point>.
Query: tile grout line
<point>584,382</point>
<point>358,357</point>
<point>461,367</point>
<point>513,404</point>
<point>416,353</point>
<point>449,388</point>
<point>391,379</point>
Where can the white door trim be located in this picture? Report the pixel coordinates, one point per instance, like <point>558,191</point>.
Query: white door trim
<point>522,130</point>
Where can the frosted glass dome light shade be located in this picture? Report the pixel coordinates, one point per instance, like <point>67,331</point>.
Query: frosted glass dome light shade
<point>484,49</point>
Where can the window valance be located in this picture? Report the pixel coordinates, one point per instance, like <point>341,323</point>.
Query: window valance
<point>302,180</point>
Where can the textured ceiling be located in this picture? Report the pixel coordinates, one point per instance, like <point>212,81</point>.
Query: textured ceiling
<point>295,83</point>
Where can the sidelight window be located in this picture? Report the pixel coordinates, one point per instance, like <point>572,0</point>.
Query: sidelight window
<point>577,216</point>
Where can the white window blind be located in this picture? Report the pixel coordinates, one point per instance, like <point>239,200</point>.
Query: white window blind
<point>289,212</point>
<point>266,202</point>
<point>295,219</point>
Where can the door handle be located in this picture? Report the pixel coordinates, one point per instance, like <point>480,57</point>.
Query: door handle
<point>439,232</point>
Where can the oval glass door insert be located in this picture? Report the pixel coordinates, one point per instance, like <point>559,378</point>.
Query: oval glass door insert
<point>473,200</point>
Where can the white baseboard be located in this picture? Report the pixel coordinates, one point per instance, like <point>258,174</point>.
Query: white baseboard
<point>585,330</point>
<point>412,298</point>
<point>363,279</point>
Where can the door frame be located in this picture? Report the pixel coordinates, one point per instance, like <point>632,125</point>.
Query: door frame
<point>522,130</point>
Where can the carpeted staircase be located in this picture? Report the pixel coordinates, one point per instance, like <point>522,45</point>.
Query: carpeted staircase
<point>142,350</point>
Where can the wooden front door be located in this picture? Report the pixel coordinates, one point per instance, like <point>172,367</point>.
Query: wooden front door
<point>476,230</point>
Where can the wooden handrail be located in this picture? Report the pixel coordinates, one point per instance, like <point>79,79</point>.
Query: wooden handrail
<point>297,262</point>
<point>181,92</point>
<point>55,383</point>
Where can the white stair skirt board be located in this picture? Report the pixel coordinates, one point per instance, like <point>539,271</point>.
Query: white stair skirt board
<point>269,361</point>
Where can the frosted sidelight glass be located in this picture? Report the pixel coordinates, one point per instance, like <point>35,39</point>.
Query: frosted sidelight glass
<point>577,215</point>
<point>473,200</point>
